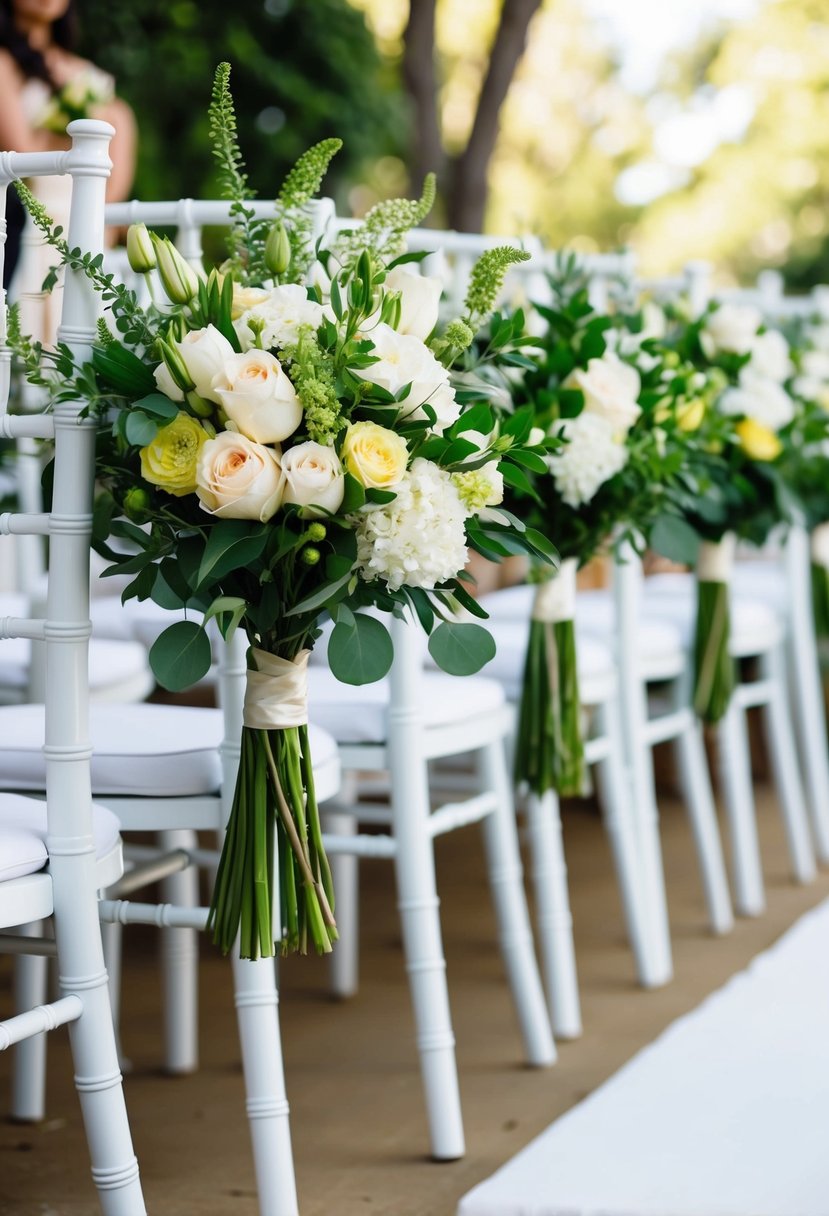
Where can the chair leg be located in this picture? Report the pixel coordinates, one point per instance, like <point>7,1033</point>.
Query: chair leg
<point>735,778</point>
<point>180,964</point>
<point>267,1105</point>
<point>344,961</point>
<point>507,886</point>
<point>112,937</point>
<point>637,856</point>
<point>31,974</point>
<point>783,755</point>
<point>418,905</point>
<point>555,922</point>
<point>695,782</point>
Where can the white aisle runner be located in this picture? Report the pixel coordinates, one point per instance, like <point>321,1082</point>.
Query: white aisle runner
<point>725,1114</point>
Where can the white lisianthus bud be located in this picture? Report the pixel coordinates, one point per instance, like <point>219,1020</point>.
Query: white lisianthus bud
<point>166,384</point>
<point>204,353</point>
<point>314,478</point>
<point>257,396</point>
<point>238,479</point>
<point>419,301</point>
<point>178,278</point>
<point>140,251</point>
<point>536,436</point>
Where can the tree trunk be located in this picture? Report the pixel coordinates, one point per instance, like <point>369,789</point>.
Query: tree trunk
<point>421,83</point>
<point>468,186</point>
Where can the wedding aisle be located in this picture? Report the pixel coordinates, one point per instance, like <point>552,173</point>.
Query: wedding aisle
<point>724,1115</point>
<point>351,1068</point>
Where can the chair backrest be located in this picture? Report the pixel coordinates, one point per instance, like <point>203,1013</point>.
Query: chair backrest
<point>66,628</point>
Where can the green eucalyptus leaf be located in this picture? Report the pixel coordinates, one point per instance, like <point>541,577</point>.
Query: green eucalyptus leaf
<point>675,539</point>
<point>360,653</point>
<point>140,429</point>
<point>233,544</point>
<point>460,648</point>
<point>181,656</point>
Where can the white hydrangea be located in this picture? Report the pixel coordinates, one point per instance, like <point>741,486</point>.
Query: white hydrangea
<point>279,316</point>
<point>591,455</point>
<point>418,540</point>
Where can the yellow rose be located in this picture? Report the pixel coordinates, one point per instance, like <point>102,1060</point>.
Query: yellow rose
<point>170,460</point>
<point>689,416</point>
<point>245,298</point>
<point>374,455</point>
<point>758,441</point>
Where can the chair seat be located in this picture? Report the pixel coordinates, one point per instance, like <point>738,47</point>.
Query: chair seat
<point>358,714</point>
<point>23,853</point>
<point>118,671</point>
<point>141,751</point>
<point>596,670</point>
<point>662,646</point>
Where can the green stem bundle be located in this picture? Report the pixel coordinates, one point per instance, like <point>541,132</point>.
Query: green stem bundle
<point>550,750</point>
<point>820,600</point>
<point>714,669</point>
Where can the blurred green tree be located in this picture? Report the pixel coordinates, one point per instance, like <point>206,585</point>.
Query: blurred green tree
<point>303,70</point>
<point>762,198</point>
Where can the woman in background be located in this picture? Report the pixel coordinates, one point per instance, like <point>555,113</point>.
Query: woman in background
<point>43,85</point>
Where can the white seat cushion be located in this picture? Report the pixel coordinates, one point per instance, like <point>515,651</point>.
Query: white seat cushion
<point>753,579</point>
<point>138,750</point>
<point>755,627</point>
<point>594,659</point>
<point>113,667</point>
<point>358,714</point>
<point>23,835</point>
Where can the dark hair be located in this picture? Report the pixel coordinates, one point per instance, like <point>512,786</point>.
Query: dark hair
<point>30,60</point>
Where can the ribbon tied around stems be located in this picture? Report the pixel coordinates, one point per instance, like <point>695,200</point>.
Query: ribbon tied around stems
<point>715,559</point>
<point>555,598</point>
<point>276,694</point>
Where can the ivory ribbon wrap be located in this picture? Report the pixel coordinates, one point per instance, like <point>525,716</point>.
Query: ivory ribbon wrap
<point>276,695</point>
<point>820,545</point>
<point>716,559</point>
<point>555,600</point>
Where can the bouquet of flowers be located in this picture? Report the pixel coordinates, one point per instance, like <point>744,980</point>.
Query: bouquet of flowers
<point>742,471</point>
<point>76,99</point>
<point>595,391</point>
<point>273,452</point>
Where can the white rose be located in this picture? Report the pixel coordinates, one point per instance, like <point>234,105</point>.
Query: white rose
<point>204,353</point>
<point>166,384</point>
<point>732,328</point>
<point>815,364</point>
<point>237,479</point>
<point>257,396</point>
<point>419,301</point>
<point>759,398</point>
<point>313,478</point>
<point>279,316</point>
<point>245,298</point>
<point>610,389</point>
<point>770,356</point>
<point>404,359</point>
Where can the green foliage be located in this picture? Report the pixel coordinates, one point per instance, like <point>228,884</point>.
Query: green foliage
<point>384,228</point>
<point>303,69</point>
<point>487,279</point>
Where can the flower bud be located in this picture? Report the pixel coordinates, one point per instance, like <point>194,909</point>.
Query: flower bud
<point>316,531</point>
<point>277,250</point>
<point>309,555</point>
<point>140,251</point>
<point>179,280</point>
<point>200,407</point>
<point>136,502</point>
<point>176,366</point>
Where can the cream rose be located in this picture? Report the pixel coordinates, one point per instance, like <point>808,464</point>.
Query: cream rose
<point>245,298</point>
<point>731,328</point>
<point>770,356</point>
<point>238,479</point>
<point>314,478</point>
<point>419,301</point>
<point>403,359</point>
<point>610,388</point>
<point>257,396</point>
<point>759,398</point>
<point>204,353</point>
<point>374,455</point>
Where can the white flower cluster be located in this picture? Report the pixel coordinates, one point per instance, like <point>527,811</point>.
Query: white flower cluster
<point>760,394</point>
<point>404,359</point>
<point>760,398</point>
<point>418,540</point>
<point>274,316</point>
<point>591,455</point>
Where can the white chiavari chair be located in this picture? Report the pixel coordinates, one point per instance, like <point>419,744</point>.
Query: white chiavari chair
<point>171,770</point>
<point>57,854</point>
